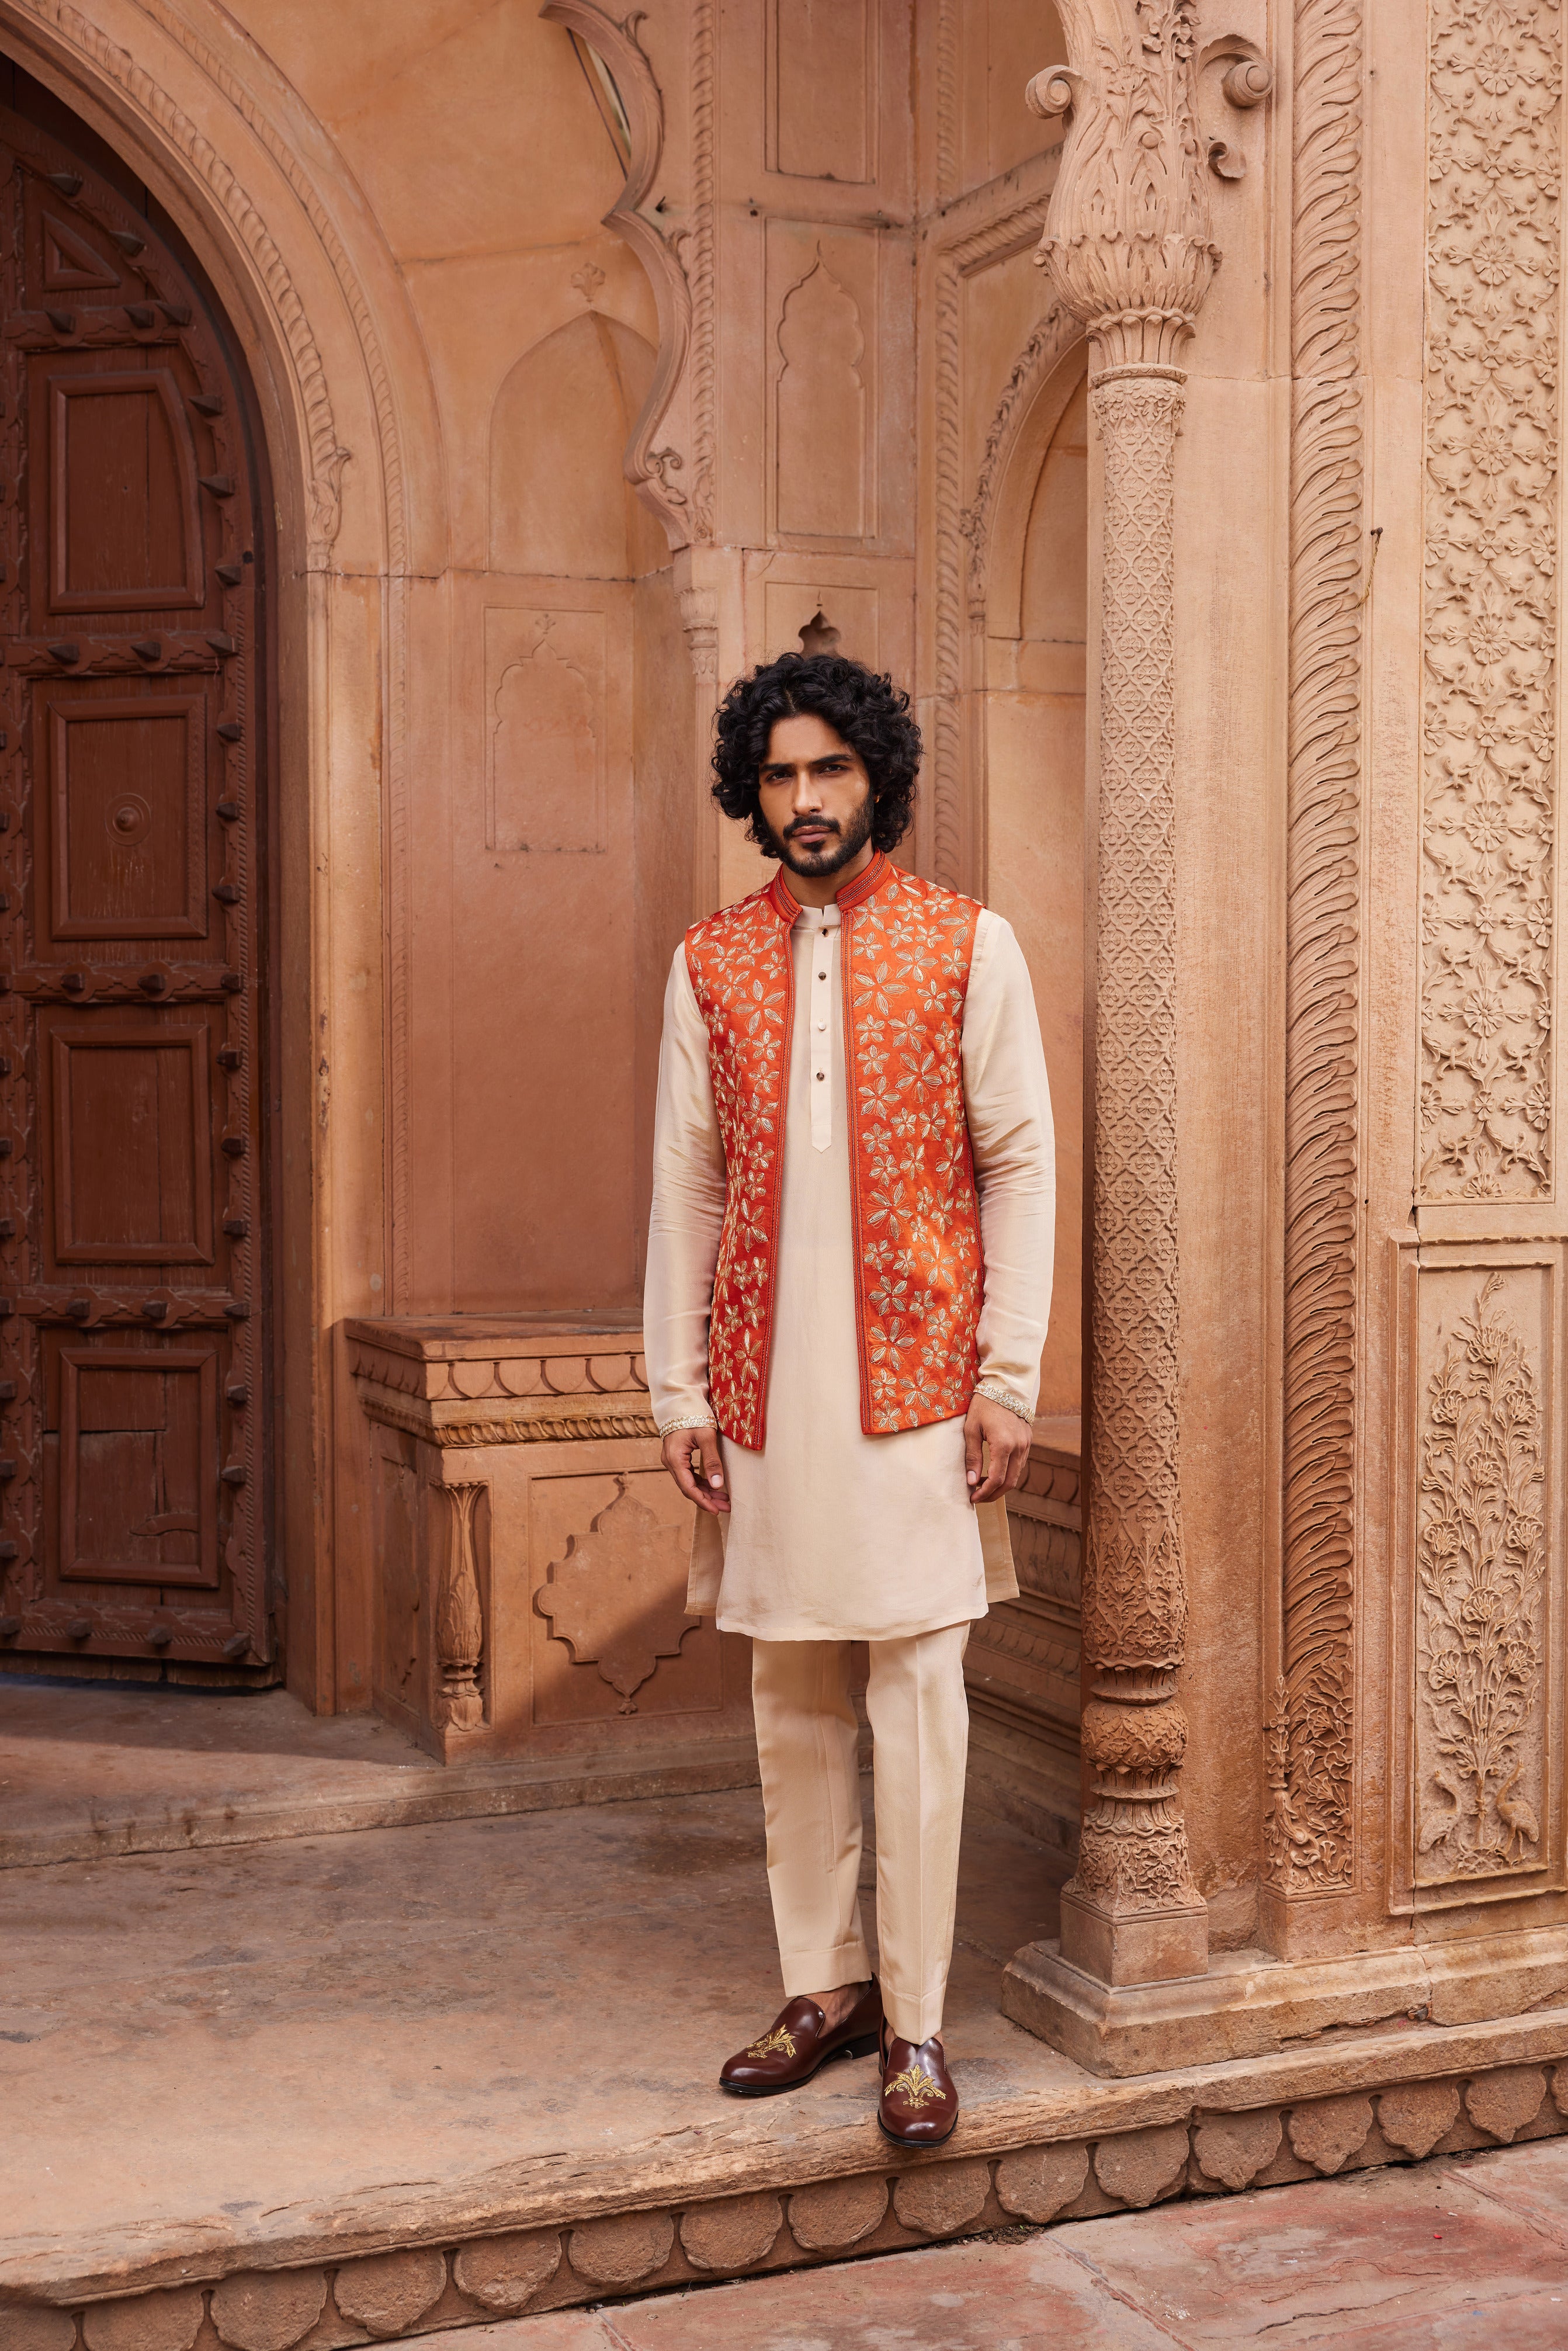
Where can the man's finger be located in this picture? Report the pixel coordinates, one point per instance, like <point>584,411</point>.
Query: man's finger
<point>692,1465</point>
<point>973,1444</point>
<point>1007,1465</point>
<point>715,1492</point>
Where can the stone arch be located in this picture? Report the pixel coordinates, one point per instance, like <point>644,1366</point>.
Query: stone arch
<point>348,415</point>
<point>1051,371</point>
<point>1028,594</point>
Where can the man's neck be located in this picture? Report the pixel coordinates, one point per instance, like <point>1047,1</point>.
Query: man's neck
<point>822,889</point>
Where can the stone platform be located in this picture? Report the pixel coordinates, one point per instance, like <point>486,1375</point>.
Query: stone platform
<point>342,2087</point>
<point>89,1769</point>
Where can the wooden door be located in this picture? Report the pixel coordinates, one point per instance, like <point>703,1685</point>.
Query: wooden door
<point>134,1513</point>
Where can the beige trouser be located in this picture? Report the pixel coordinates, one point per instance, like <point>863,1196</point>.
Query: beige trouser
<point>806,1735</point>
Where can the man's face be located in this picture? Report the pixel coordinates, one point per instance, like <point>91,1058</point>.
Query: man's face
<point>815,795</point>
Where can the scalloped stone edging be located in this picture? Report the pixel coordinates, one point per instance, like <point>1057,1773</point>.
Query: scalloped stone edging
<point>423,2289</point>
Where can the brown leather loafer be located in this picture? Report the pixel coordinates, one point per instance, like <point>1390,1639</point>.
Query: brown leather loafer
<point>799,2042</point>
<point>919,2106</point>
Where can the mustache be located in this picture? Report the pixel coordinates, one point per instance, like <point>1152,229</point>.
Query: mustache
<point>813,824</point>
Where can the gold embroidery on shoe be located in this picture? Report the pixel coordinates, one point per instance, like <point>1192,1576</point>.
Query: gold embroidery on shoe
<point>915,2088</point>
<point>773,2044</point>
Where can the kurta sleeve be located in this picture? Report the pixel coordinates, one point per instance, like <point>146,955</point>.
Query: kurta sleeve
<point>687,1212</point>
<point>1008,1096</point>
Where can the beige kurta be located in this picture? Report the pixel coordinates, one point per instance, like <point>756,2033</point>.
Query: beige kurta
<point>834,1535</point>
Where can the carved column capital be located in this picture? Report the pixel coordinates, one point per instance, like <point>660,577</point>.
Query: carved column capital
<point>1127,245</point>
<point>699,619</point>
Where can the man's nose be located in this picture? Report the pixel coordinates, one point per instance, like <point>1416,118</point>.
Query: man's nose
<point>806,795</point>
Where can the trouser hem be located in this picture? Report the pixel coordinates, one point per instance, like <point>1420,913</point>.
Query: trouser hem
<point>914,2020</point>
<point>814,1971</point>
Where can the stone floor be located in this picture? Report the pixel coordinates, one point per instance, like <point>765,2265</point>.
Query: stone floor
<point>1466,2253</point>
<point>374,2077</point>
<point>286,2042</point>
<point>93,1768</point>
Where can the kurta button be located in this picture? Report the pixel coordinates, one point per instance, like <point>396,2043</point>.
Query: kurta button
<point>820,1075</point>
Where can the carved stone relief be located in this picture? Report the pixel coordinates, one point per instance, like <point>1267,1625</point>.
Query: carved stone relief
<point>820,401</point>
<point>1493,239</point>
<point>459,1617</point>
<point>1307,1823</point>
<point>545,682</point>
<point>616,1601</point>
<point>791,609</point>
<point>701,257</point>
<point>1127,251</point>
<point>1481,1745</point>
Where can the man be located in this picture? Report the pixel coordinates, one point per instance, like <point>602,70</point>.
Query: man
<point>848,1278</point>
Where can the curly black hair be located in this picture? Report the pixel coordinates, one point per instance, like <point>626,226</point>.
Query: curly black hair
<point>867,710</point>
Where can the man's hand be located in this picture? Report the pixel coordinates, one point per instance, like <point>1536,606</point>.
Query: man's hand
<point>692,1459</point>
<point>1006,1439</point>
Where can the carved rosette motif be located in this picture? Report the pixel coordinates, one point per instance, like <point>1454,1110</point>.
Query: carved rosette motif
<point>1480,1568</point>
<point>1488,814</point>
<point>1308,1741</point>
<point>1128,253</point>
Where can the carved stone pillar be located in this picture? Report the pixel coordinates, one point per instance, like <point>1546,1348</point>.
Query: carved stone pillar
<point>1128,252</point>
<point>459,1618</point>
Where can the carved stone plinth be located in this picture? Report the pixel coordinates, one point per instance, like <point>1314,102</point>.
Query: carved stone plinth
<point>531,1557</point>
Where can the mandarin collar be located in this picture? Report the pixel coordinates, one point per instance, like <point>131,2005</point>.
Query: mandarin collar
<point>853,894</point>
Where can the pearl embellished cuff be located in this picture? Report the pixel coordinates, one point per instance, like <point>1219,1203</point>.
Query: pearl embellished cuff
<point>994,1392</point>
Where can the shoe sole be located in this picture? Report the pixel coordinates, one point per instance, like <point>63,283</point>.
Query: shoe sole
<point>899,2140</point>
<point>866,2046</point>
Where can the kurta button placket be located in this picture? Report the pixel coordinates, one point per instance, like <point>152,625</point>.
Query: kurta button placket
<point>821,966</point>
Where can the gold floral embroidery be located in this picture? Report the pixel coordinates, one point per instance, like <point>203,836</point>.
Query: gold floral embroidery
<point>741,976</point>
<point>915,2088</point>
<point>907,951</point>
<point>917,1223</point>
<point>779,2042</point>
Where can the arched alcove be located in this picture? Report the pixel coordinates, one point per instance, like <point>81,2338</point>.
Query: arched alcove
<point>1036,823</point>
<point>561,504</point>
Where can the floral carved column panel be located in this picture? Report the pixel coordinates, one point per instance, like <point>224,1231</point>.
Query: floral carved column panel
<point>1128,251</point>
<point>1494,235</point>
<point>1481,1628</point>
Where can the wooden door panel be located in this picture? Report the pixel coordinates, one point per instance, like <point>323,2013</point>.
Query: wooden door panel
<point>124,523</point>
<point>70,263</point>
<point>139,1467</point>
<point>124,800</point>
<point>133,1312</point>
<point>130,1137</point>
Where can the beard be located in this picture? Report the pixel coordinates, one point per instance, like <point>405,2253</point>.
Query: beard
<point>845,842</point>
